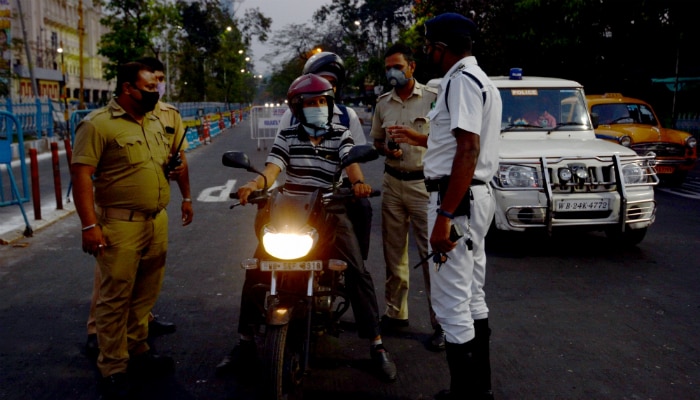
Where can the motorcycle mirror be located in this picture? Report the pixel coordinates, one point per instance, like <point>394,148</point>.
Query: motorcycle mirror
<point>360,154</point>
<point>237,159</point>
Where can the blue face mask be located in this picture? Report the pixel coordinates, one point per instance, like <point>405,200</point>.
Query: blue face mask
<point>396,77</point>
<point>316,121</point>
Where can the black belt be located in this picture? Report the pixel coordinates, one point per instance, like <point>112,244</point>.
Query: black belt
<point>403,175</point>
<point>433,185</point>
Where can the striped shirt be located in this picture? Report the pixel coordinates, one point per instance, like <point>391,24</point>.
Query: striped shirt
<point>307,164</point>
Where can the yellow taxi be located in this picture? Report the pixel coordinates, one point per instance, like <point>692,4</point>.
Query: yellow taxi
<point>632,123</point>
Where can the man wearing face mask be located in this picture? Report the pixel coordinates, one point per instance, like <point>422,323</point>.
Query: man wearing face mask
<point>404,197</point>
<point>175,133</point>
<point>121,192</point>
<point>310,151</point>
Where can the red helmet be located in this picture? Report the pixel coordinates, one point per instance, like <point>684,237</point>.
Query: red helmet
<point>307,86</point>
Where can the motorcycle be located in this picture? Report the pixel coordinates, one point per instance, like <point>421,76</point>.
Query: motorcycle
<point>305,296</point>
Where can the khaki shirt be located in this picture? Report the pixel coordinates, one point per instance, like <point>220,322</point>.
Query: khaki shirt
<point>129,158</point>
<point>391,110</point>
<point>169,116</point>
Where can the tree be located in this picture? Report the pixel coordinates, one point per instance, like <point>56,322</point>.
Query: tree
<point>214,48</point>
<point>133,24</point>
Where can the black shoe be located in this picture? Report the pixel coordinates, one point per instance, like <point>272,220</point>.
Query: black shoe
<point>151,365</point>
<point>92,350</point>
<point>242,357</point>
<point>437,341</point>
<point>391,324</point>
<point>381,359</point>
<point>157,327</point>
<point>115,387</point>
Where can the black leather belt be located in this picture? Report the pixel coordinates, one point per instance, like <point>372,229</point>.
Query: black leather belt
<point>434,184</point>
<point>403,175</point>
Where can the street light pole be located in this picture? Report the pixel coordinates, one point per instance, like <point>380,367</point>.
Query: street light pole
<point>64,82</point>
<point>81,33</point>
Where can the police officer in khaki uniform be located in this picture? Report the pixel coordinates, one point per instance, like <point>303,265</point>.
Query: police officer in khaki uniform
<point>404,197</point>
<point>121,192</point>
<point>169,116</point>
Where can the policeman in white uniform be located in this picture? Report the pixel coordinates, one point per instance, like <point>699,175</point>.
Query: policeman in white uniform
<point>461,159</point>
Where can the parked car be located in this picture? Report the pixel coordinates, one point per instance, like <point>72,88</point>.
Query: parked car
<point>554,173</point>
<point>632,123</point>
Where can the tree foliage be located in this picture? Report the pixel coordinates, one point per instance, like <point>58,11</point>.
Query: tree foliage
<point>132,25</point>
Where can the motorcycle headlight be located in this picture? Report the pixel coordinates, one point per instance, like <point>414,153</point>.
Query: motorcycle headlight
<point>288,245</point>
<point>518,176</point>
<point>691,142</point>
<point>633,173</point>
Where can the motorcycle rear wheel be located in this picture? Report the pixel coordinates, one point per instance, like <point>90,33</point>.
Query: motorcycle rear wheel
<point>283,357</point>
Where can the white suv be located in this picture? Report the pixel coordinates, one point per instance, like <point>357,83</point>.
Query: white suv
<point>553,172</point>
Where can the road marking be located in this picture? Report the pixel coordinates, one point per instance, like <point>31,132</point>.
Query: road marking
<point>217,193</point>
<point>221,193</point>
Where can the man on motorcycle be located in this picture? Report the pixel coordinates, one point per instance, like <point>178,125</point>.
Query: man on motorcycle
<point>311,151</point>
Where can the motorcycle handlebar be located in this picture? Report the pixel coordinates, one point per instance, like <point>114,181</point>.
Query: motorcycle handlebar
<point>345,194</point>
<point>256,196</point>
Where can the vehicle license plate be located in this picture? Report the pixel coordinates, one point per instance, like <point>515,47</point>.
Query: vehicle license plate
<point>664,169</point>
<point>314,265</point>
<point>566,205</point>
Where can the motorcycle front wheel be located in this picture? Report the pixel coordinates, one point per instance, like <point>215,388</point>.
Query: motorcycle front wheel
<point>284,351</point>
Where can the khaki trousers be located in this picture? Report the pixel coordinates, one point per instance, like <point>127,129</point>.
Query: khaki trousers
<point>404,204</point>
<point>131,269</point>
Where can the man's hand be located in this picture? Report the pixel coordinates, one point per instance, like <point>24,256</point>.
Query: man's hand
<point>93,241</point>
<point>405,134</point>
<point>440,237</point>
<point>361,189</point>
<point>245,191</point>
<point>187,212</point>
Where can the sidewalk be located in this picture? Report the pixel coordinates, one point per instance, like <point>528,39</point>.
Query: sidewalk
<point>13,226</point>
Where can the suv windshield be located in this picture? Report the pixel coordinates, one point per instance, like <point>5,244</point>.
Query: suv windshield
<point>536,108</point>
<point>630,113</point>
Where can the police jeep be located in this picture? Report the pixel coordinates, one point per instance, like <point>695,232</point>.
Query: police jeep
<point>553,172</point>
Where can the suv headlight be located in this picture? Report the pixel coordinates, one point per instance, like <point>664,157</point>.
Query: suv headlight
<point>518,176</point>
<point>633,173</point>
<point>691,142</point>
<point>288,245</point>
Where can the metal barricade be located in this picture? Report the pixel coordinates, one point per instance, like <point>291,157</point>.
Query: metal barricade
<point>264,123</point>
<point>9,126</point>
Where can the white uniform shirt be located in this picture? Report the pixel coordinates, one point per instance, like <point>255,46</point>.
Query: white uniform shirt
<point>355,128</point>
<point>467,111</point>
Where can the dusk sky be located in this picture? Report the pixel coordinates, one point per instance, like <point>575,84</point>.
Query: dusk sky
<point>282,12</point>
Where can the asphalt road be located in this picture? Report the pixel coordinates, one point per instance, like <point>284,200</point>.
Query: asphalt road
<point>573,317</point>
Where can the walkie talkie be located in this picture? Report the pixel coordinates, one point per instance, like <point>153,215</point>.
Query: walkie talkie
<point>175,159</point>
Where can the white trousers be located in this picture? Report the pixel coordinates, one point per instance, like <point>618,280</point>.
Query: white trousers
<point>457,288</point>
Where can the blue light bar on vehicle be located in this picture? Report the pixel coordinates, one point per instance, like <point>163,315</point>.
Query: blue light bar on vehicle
<point>516,74</point>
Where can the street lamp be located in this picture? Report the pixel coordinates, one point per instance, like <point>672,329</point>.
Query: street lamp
<point>64,83</point>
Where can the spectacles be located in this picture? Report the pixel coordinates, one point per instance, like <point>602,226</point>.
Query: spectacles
<point>435,44</point>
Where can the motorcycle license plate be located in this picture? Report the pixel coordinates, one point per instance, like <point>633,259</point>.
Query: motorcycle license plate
<point>582,205</point>
<point>314,265</point>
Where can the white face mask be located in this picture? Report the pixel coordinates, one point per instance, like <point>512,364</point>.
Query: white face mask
<point>161,88</point>
<point>317,119</point>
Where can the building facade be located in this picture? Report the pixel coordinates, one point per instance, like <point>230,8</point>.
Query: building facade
<point>51,35</point>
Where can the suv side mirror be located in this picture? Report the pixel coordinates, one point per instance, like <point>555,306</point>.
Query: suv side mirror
<point>595,119</point>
